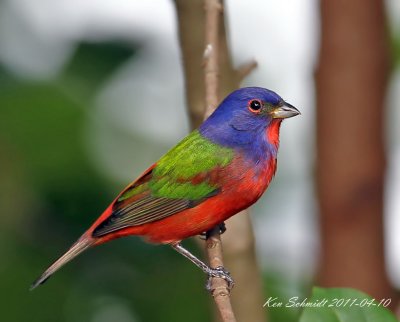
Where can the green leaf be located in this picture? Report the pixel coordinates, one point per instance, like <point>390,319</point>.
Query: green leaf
<point>344,305</point>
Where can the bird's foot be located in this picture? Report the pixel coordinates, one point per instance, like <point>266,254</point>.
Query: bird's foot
<point>219,272</point>
<point>222,229</point>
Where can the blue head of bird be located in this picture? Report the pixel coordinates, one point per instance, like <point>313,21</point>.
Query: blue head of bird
<point>248,119</point>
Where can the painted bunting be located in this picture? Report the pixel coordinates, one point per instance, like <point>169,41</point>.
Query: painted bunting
<point>216,171</point>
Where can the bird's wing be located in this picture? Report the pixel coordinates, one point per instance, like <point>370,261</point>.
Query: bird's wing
<point>183,178</point>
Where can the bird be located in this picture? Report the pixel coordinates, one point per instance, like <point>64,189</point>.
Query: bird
<point>219,169</point>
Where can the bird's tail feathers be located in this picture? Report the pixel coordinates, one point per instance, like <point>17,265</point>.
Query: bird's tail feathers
<point>80,246</point>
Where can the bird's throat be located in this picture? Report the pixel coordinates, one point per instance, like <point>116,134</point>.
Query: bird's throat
<point>272,132</point>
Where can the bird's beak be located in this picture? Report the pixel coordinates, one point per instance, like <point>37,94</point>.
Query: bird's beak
<point>284,111</point>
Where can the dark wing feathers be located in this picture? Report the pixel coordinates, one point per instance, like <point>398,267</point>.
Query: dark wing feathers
<point>149,209</point>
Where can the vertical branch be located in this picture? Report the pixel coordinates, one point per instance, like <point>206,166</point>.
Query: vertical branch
<point>239,243</point>
<point>213,9</point>
<point>190,15</point>
<point>219,287</point>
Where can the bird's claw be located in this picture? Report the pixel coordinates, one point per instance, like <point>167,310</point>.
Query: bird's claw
<point>219,272</point>
<point>222,229</point>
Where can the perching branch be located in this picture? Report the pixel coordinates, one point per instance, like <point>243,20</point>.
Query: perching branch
<point>219,287</point>
<point>239,250</point>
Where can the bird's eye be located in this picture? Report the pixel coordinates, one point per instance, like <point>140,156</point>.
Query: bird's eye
<point>255,106</point>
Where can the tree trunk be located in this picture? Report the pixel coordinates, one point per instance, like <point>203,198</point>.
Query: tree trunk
<point>351,83</point>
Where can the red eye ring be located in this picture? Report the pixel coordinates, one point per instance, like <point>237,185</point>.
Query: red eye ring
<point>255,106</point>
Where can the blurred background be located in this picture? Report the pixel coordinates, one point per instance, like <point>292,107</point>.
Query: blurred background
<point>91,93</point>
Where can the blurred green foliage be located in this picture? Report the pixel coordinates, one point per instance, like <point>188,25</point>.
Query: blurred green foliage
<point>278,286</point>
<point>51,192</point>
<point>395,48</point>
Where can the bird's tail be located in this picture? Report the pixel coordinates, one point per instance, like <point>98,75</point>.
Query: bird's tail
<point>81,245</point>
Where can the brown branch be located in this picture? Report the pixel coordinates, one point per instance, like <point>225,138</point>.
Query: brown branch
<point>238,240</point>
<point>219,287</point>
<point>190,15</point>
<point>213,10</point>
